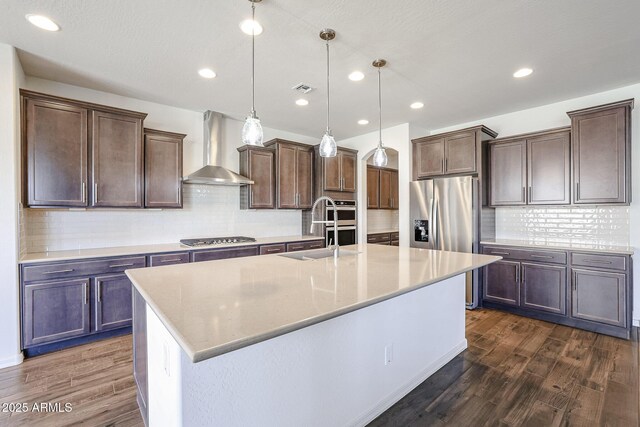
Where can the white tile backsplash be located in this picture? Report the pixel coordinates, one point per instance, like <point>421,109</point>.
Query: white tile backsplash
<point>604,225</point>
<point>208,211</point>
<point>381,220</point>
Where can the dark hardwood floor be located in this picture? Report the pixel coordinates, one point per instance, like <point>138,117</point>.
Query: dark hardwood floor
<point>516,372</point>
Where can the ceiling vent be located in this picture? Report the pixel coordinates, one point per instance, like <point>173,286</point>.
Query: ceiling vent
<point>302,87</point>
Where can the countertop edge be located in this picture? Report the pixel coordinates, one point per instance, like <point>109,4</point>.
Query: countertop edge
<point>199,356</point>
<point>558,247</point>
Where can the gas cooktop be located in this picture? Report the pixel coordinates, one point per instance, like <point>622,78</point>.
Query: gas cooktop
<point>216,241</point>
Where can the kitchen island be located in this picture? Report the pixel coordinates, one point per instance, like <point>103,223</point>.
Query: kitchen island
<point>274,340</point>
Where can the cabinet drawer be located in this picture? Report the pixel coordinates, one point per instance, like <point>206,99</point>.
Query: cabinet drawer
<point>303,246</point>
<point>273,249</point>
<point>395,236</point>
<point>377,238</point>
<point>613,262</point>
<point>223,254</point>
<point>552,257</point>
<point>169,259</point>
<point>395,243</point>
<point>81,268</point>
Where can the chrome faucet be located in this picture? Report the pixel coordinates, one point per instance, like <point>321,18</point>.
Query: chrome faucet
<point>336,247</point>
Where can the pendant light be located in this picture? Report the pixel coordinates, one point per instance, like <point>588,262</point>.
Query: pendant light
<point>328,147</point>
<point>252,129</point>
<point>380,158</point>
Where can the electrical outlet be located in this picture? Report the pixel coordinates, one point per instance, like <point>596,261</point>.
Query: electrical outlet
<point>388,354</point>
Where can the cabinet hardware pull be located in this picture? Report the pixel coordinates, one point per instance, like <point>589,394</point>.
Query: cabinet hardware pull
<point>517,273</point>
<point>529,193</point>
<point>442,165</point>
<point>121,265</point>
<point>499,253</point>
<point>577,190</point>
<point>170,260</point>
<point>273,250</point>
<point>99,291</point>
<point>84,192</point>
<point>597,261</point>
<point>542,256</point>
<point>446,163</point>
<point>524,195</point>
<point>59,271</point>
<point>95,192</point>
<point>86,293</point>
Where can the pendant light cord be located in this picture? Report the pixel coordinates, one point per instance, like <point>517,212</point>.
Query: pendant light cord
<point>379,110</point>
<point>253,60</point>
<point>328,130</point>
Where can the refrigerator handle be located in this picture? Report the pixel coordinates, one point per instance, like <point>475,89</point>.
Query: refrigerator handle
<point>436,233</point>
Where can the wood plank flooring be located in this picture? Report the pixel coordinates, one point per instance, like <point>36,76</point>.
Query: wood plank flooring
<point>516,372</point>
<point>525,372</point>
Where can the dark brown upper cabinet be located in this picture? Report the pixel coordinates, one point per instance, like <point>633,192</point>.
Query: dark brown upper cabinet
<point>294,174</point>
<point>385,189</point>
<point>451,153</point>
<point>76,152</point>
<point>55,152</point>
<point>395,189</point>
<point>531,169</point>
<point>601,145</point>
<point>373,188</point>
<point>257,164</point>
<point>382,188</point>
<point>338,174</point>
<point>162,169</point>
<point>117,160</point>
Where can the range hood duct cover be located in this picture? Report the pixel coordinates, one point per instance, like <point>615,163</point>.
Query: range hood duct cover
<point>212,173</point>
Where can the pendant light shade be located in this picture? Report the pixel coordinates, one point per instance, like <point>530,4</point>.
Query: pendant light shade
<point>328,147</point>
<point>380,158</point>
<point>252,130</point>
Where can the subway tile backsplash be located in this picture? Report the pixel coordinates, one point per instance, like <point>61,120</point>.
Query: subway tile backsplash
<point>608,225</point>
<point>381,220</point>
<point>208,211</point>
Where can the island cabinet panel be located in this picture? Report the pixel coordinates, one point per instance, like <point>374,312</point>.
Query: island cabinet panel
<point>373,188</point>
<point>549,169</point>
<point>601,145</point>
<point>162,169</point>
<point>55,311</point>
<point>430,158</point>
<point>214,254</point>
<point>599,296</point>
<point>117,160</point>
<point>544,287</point>
<point>257,164</point>
<point>508,173</point>
<point>55,152</point>
<point>502,282</point>
<point>294,174</point>
<point>140,368</point>
<point>112,302</point>
<point>460,153</point>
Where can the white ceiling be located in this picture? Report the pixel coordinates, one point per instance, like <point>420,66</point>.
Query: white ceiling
<point>455,56</point>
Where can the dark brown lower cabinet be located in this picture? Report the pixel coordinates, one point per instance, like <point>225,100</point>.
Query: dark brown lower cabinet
<point>599,296</point>
<point>502,282</point>
<point>544,287</point>
<point>140,353</point>
<point>55,311</point>
<point>112,302</point>
<point>224,254</point>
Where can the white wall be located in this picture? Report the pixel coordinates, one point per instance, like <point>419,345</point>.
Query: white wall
<point>398,138</point>
<point>11,77</point>
<point>554,115</point>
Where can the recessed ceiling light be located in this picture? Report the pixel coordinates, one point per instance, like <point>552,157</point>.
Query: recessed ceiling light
<point>363,122</point>
<point>417,105</point>
<point>42,22</point>
<point>302,102</point>
<point>248,26</point>
<point>356,76</point>
<point>207,73</point>
<point>522,72</point>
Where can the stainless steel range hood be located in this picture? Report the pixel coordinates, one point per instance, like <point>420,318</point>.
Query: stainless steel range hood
<point>212,173</point>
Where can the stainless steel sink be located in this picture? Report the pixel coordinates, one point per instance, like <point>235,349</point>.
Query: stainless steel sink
<point>317,254</point>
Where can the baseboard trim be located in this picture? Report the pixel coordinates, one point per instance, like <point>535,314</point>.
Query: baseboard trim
<point>11,361</point>
<point>398,394</point>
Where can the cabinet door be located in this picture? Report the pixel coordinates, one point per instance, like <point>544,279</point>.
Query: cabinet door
<point>163,171</point>
<point>348,171</point>
<point>55,139</point>
<point>502,282</point>
<point>430,158</point>
<point>373,188</point>
<point>304,170</point>
<point>112,301</point>
<point>394,189</point>
<point>332,179</point>
<point>117,160</point>
<point>385,189</point>
<point>460,153</point>
<point>54,311</point>
<point>599,143</point>
<point>544,287</point>
<point>599,296</point>
<point>140,351</point>
<point>548,169</point>
<point>508,173</point>
<point>261,173</point>
<point>287,174</point>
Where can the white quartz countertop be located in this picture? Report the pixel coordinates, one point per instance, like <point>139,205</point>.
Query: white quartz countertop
<point>35,257</point>
<point>543,244</point>
<point>214,307</point>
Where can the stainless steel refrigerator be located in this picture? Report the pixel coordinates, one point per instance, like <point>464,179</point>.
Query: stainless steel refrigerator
<point>445,216</point>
